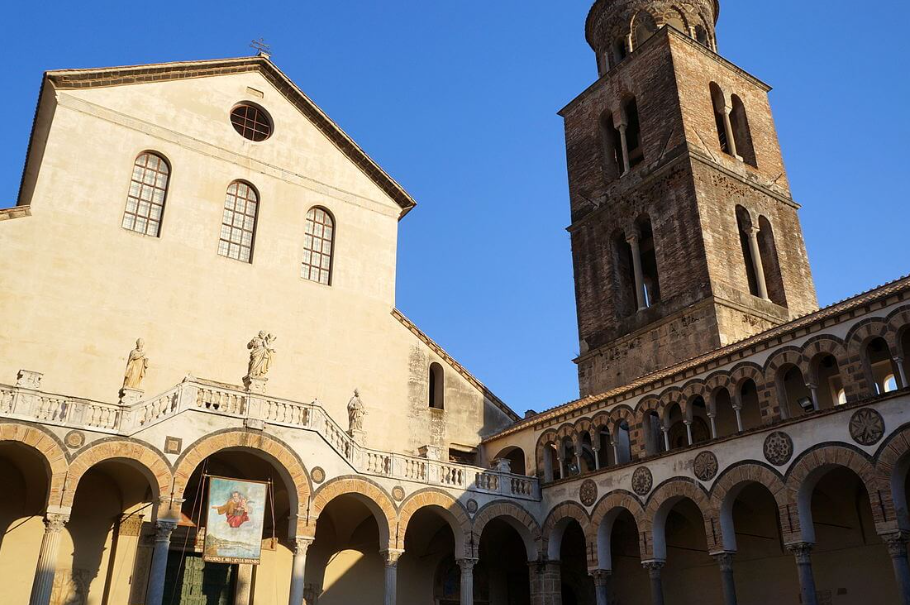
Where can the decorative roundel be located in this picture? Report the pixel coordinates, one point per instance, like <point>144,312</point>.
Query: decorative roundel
<point>74,439</point>
<point>587,493</point>
<point>778,448</point>
<point>642,481</point>
<point>472,506</point>
<point>398,493</point>
<point>867,427</point>
<point>317,474</point>
<point>706,466</point>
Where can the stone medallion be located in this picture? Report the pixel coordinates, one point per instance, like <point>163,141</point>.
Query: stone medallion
<point>398,493</point>
<point>867,427</point>
<point>317,474</point>
<point>74,439</point>
<point>778,448</point>
<point>587,493</point>
<point>642,481</point>
<point>472,506</point>
<point>705,466</point>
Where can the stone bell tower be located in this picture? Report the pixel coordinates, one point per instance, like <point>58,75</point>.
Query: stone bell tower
<point>685,237</point>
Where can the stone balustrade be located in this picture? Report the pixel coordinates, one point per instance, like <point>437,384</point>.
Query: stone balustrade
<point>24,402</point>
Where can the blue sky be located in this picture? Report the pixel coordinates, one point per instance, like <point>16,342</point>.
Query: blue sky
<point>458,102</point>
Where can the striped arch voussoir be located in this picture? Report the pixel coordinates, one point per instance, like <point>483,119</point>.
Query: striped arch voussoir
<point>47,447</point>
<point>430,498</point>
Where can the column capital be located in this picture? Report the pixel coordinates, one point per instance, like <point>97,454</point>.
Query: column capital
<point>302,543</point>
<point>801,550</point>
<point>601,576</point>
<point>724,560</point>
<point>751,230</point>
<point>164,528</point>
<point>466,565</point>
<point>896,543</point>
<point>55,522</point>
<point>654,567</point>
<point>391,556</point>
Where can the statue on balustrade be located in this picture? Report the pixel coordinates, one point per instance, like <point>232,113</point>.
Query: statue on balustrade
<point>356,412</point>
<point>136,366</point>
<point>262,354</point>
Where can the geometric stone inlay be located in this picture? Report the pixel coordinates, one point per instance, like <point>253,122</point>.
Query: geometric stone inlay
<point>867,427</point>
<point>642,481</point>
<point>778,448</point>
<point>317,474</point>
<point>588,493</point>
<point>173,445</point>
<point>705,466</point>
<point>74,439</point>
<point>398,493</point>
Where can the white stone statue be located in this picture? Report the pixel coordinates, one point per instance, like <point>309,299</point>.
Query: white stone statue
<point>262,354</point>
<point>356,412</point>
<point>136,366</point>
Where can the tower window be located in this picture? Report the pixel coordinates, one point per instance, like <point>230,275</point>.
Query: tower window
<point>318,246</point>
<point>720,118</point>
<point>633,134</point>
<point>148,190</point>
<point>436,391</point>
<point>624,277</point>
<point>251,122</point>
<point>644,26</point>
<point>651,285</point>
<point>744,225</point>
<point>771,263</point>
<point>612,147</point>
<point>741,132</point>
<point>620,50</point>
<point>238,222</point>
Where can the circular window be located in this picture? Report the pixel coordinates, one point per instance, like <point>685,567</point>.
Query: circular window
<point>251,122</point>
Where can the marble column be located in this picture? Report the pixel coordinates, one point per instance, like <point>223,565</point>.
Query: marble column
<point>738,410</point>
<point>43,584</point>
<point>897,548</point>
<point>298,569</point>
<point>391,557</point>
<point>725,562</point>
<point>654,573</point>
<point>163,530</point>
<point>624,143</point>
<point>596,457</point>
<point>757,265</point>
<point>243,590</point>
<point>803,553</point>
<point>467,580</point>
<point>901,372</point>
<point>728,129</point>
<point>713,420</point>
<point>666,433</point>
<point>637,271</point>
<point>688,424</point>
<point>603,586</point>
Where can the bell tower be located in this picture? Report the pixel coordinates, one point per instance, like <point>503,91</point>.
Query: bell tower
<point>685,237</point>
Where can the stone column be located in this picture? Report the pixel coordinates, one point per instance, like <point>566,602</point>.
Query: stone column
<point>615,451</point>
<point>243,592</point>
<point>725,562</point>
<point>803,553</point>
<point>757,266</point>
<point>738,410</point>
<point>43,584</point>
<point>897,548</point>
<point>603,586</point>
<point>623,142</point>
<point>596,456</point>
<point>639,275</point>
<point>713,420</point>
<point>901,372</point>
<point>728,129</point>
<point>391,557</point>
<point>657,588</point>
<point>666,433</point>
<point>467,580</point>
<point>163,530</point>
<point>298,569</point>
<point>688,424</point>
<point>813,391</point>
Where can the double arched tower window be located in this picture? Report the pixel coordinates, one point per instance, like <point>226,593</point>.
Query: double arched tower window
<point>318,246</point>
<point>147,194</point>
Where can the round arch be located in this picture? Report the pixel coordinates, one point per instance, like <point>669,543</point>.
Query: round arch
<point>515,516</point>
<point>555,526</point>
<point>147,460</point>
<point>447,506</point>
<point>662,502</point>
<point>374,497</point>
<point>271,449</point>
<point>604,516</point>
<point>892,467</point>
<point>731,483</point>
<point>46,446</point>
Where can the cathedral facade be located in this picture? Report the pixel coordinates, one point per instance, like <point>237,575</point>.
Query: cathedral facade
<point>208,396</point>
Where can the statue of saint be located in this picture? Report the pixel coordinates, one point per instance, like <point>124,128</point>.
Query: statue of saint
<point>356,412</point>
<point>136,366</point>
<point>262,354</point>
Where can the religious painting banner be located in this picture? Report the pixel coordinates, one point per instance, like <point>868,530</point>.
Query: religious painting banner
<point>236,516</point>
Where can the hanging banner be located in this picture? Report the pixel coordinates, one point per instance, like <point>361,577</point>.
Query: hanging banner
<point>233,531</point>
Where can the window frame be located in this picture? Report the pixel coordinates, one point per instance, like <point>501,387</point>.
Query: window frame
<point>255,226</point>
<point>308,265</point>
<point>129,186</point>
<point>259,108</point>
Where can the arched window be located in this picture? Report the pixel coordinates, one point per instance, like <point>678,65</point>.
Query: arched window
<point>744,226</point>
<point>677,21</point>
<point>701,35</point>
<point>795,397</point>
<point>238,222</point>
<point>611,144</point>
<point>719,104</point>
<point>633,133</point>
<point>623,276</point>
<point>880,366</point>
<point>620,50</point>
<point>643,27</point>
<point>318,246</point>
<point>436,391</point>
<point>742,133</point>
<point>771,263</point>
<point>648,250</point>
<point>148,192</point>
<point>623,443</point>
<point>750,406</point>
<point>654,436</point>
<point>825,374</point>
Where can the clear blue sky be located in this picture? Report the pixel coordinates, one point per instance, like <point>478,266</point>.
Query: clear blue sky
<point>458,102</point>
